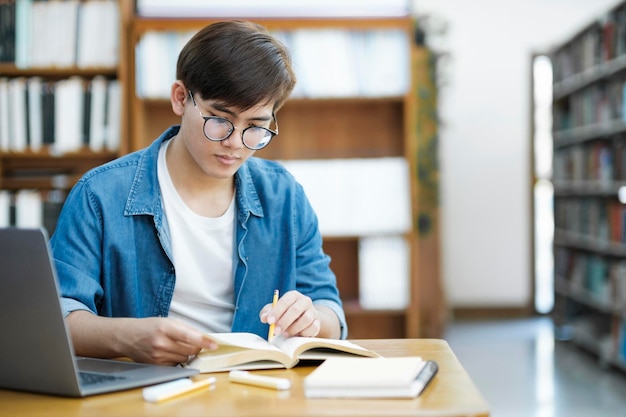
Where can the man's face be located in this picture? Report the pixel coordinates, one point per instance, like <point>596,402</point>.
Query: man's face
<point>222,158</point>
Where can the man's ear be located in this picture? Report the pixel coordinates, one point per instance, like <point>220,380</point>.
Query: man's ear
<point>178,97</point>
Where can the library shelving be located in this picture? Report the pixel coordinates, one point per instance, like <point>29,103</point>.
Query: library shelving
<point>357,123</point>
<point>589,178</point>
<point>61,105</point>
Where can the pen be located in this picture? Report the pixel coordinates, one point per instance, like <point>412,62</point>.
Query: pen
<point>168,390</point>
<point>245,377</point>
<point>270,335</point>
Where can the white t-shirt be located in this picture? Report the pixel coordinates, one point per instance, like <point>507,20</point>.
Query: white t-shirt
<point>203,256</point>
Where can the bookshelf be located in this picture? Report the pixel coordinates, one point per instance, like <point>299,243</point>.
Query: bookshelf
<point>321,127</point>
<point>48,69</point>
<point>589,177</point>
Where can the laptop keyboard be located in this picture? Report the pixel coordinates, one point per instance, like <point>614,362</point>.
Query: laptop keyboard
<point>90,378</point>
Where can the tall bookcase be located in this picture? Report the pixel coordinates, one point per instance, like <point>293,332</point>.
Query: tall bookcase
<point>589,177</point>
<point>325,128</point>
<point>33,42</point>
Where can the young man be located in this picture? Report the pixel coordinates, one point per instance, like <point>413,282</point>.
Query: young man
<point>192,234</point>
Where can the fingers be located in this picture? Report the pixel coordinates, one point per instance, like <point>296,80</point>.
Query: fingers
<point>169,341</point>
<point>208,343</point>
<point>187,335</point>
<point>264,313</point>
<point>293,315</point>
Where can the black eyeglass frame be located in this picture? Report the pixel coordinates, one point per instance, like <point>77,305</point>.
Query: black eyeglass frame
<point>232,127</point>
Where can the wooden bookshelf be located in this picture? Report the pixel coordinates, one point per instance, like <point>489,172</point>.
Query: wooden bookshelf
<point>43,170</point>
<point>347,127</point>
<point>46,168</point>
<point>589,179</point>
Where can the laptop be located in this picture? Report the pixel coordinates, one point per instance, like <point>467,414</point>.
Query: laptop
<point>36,352</point>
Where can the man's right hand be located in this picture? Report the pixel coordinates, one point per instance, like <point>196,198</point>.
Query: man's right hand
<point>157,340</point>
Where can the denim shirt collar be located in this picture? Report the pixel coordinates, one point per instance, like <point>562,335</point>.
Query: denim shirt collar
<point>145,193</point>
<point>247,197</point>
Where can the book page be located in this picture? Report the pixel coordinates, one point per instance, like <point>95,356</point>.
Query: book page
<point>302,347</point>
<point>239,351</point>
<point>242,340</point>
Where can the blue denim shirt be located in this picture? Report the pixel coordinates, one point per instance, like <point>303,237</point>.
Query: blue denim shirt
<point>113,255</point>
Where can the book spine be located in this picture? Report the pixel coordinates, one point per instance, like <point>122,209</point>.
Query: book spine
<point>372,63</point>
<point>60,34</point>
<point>31,208</point>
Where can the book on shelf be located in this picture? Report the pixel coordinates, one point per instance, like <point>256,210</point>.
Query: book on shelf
<point>397,377</point>
<point>63,50</point>
<point>384,276</point>
<point>156,54</point>
<point>98,24</point>
<point>62,34</point>
<point>364,63</point>
<point>68,119</point>
<point>35,112</point>
<point>599,43</point>
<point>620,341</point>
<point>247,351</point>
<point>616,220</point>
<point>67,114</point>
<point>5,208</point>
<point>334,43</point>
<point>7,31</point>
<point>23,29</point>
<point>53,33</point>
<point>113,113</point>
<point>97,123</point>
<point>53,201</point>
<point>618,278</point>
<point>28,208</point>
<point>348,194</point>
<point>5,117</point>
<point>18,126</point>
<point>48,110</point>
<point>86,119</point>
<point>273,8</point>
<point>600,219</point>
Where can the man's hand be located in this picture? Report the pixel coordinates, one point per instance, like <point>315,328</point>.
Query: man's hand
<point>296,315</point>
<point>162,341</point>
<point>157,340</point>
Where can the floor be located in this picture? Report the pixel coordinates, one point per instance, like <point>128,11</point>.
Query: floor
<point>522,372</point>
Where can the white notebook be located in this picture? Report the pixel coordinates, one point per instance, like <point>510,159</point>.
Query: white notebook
<point>404,377</point>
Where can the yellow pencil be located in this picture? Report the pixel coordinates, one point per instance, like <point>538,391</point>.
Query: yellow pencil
<point>270,335</point>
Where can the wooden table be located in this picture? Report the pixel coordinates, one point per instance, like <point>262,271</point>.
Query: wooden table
<point>451,393</point>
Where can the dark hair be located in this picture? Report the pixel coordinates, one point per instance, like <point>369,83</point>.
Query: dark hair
<point>238,63</point>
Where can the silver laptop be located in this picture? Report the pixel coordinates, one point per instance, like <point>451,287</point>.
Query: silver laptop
<point>36,352</point>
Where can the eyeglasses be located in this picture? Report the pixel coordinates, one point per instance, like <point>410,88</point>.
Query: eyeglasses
<point>218,129</point>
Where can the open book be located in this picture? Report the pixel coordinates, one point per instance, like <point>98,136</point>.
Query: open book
<point>249,351</point>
